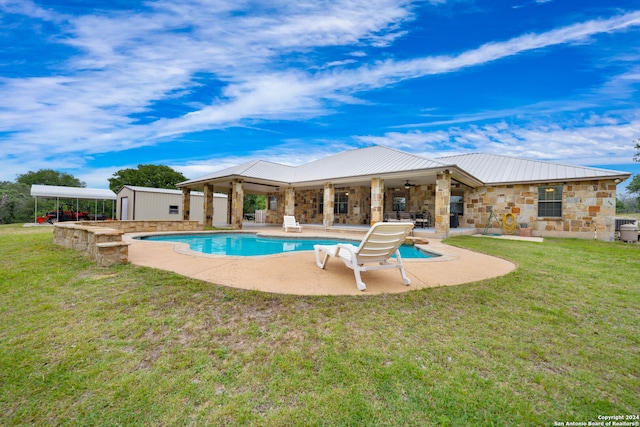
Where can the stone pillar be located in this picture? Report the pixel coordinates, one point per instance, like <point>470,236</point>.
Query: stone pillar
<point>290,201</point>
<point>237,202</point>
<point>443,207</point>
<point>329,201</point>
<point>229,205</point>
<point>208,205</point>
<point>377,200</point>
<point>186,204</point>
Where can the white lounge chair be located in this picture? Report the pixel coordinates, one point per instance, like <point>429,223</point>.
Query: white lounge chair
<point>290,222</point>
<point>379,244</point>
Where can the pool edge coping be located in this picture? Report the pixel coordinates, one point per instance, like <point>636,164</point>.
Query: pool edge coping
<point>184,249</point>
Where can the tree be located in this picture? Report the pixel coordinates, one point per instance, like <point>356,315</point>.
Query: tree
<point>17,204</point>
<point>254,202</point>
<point>49,177</point>
<point>154,176</point>
<point>634,185</point>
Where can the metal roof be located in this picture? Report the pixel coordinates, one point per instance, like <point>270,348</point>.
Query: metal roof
<point>497,169</point>
<point>256,169</point>
<point>167,191</point>
<point>38,190</point>
<point>368,161</point>
<point>378,160</point>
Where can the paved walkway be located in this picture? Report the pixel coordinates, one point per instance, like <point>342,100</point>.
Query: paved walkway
<point>297,273</point>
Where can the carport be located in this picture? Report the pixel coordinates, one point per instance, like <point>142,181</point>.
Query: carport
<point>75,193</point>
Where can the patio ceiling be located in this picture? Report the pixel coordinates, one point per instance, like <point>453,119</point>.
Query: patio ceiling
<point>392,181</point>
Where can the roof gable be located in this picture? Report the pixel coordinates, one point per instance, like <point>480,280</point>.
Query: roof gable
<point>362,162</point>
<point>257,169</point>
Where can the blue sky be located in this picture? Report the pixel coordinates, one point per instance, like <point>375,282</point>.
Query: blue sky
<point>202,85</point>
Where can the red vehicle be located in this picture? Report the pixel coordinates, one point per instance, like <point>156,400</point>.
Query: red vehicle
<point>62,215</point>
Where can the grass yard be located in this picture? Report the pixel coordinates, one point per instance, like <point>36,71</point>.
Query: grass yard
<point>557,340</point>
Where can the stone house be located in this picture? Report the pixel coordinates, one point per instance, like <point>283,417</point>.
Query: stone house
<point>471,191</point>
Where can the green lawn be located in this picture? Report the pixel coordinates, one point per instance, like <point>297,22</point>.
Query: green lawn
<point>557,340</point>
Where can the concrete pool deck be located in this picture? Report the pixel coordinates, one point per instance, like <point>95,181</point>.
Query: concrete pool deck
<point>296,272</point>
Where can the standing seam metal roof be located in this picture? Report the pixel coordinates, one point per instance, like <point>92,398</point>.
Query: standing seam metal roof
<point>497,169</point>
<point>378,160</point>
<point>353,163</point>
<point>362,162</point>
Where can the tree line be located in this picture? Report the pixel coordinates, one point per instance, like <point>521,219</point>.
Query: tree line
<point>631,203</point>
<point>17,205</point>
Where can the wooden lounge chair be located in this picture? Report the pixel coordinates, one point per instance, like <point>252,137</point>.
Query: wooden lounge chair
<point>290,222</point>
<point>379,244</point>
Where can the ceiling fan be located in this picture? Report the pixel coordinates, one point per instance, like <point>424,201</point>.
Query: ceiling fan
<point>408,185</point>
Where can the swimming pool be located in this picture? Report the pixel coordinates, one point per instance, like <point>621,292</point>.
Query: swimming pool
<point>246,244</point>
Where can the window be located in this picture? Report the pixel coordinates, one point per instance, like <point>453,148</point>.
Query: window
<point>550,201</point>
<point>173,210</point>
<point>457,205</point>
<point>341,202</point>
<point>273,203</point>
<point>399,204</point>
<point>321,203</point>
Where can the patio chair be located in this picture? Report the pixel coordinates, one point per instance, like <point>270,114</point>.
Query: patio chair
<point>290,222</point>
<point>379,244</point>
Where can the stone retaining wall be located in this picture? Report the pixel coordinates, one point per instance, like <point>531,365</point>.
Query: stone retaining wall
<point>102,240</point>
<point>147,226</point>
<point>102,244</point>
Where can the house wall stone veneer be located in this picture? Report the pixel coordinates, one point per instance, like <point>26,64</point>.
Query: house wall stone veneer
<point>588,208</point>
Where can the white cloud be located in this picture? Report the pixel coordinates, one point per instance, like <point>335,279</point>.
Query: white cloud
<point>128,62</point>
<point>592,140</point>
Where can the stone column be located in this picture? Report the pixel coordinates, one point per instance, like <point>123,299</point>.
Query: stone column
<point>377,200</point>
<point>237,202</point>
<point>329,201</point>
<point>229,198</point>
<point>208,205</point>
<point>443,207</point>
<point>290,201</point>
<point>186,204</point>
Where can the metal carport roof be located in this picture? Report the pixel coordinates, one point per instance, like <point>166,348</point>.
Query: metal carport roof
<point>38,190</point>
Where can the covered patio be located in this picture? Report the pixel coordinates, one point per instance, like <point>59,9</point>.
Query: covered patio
<point>357,187</point>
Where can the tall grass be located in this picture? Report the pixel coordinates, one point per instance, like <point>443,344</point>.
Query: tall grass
<point>556,340</point>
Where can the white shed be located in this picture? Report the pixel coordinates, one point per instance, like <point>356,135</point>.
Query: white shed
<point>144,203</point>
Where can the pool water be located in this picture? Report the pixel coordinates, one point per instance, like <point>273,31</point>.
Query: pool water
<point>244,244</point>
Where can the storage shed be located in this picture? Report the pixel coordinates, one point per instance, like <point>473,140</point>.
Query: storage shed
<point>144,203</point>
